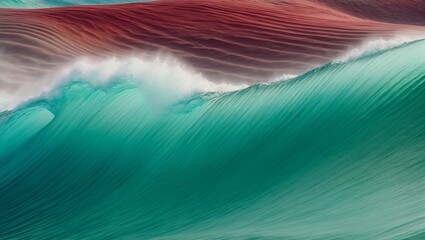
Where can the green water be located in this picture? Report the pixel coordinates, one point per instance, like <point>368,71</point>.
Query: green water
<point>337,153</point>
<point>58,3</point>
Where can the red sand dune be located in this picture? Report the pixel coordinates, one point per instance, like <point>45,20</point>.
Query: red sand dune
<point>393,11</point>
<point>224,39</point>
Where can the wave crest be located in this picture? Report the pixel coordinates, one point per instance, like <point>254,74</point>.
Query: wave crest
<point>163,79</point>
<point>376,45</point>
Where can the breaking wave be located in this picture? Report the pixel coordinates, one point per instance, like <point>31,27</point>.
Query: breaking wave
<point>338,152</point>
<point>163,79</point>
<point>376,45</point>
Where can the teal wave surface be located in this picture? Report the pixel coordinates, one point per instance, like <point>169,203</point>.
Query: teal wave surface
<point>58,3</point>
<point>337,153</point>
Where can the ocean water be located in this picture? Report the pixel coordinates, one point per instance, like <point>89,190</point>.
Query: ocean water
<point>58,3</point>
<point>336,153</point>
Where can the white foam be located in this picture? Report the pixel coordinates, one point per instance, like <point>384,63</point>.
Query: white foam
<point>375,45</point>
<point>284,77</point>
<point>163,79</point>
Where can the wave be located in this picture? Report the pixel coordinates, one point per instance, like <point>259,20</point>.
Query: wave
<point>163,78</point>
<point>373,46</point>
<point>161,74</point>
<point>337,152</point>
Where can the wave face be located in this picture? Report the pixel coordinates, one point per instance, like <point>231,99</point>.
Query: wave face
<point>335,153</point>
<point>58,3</point>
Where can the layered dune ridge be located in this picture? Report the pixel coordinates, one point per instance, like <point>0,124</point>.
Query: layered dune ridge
<point>393,11</point>
<point>225,40</point>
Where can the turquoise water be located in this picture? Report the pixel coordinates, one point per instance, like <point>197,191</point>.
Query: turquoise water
<point>337,153</point>
<point>58,3</point>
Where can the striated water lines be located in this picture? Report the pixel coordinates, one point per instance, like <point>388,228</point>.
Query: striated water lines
<point>337,152</point>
